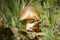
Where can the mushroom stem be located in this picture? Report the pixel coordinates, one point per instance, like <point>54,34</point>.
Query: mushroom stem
<point>31,26</point>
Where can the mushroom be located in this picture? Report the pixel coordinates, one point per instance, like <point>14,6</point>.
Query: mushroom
<point>29,16</point>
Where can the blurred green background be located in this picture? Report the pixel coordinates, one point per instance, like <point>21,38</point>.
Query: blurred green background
<point>49,11</point>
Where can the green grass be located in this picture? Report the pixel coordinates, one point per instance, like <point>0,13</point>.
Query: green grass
<point>10,11</point>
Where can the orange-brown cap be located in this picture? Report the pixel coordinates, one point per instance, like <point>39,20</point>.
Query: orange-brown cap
<point>29,12</point>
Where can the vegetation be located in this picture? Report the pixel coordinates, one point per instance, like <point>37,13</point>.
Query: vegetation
<point>49,11</point>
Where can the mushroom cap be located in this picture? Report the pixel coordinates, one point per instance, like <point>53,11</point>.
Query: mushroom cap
<point>29,12</point>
